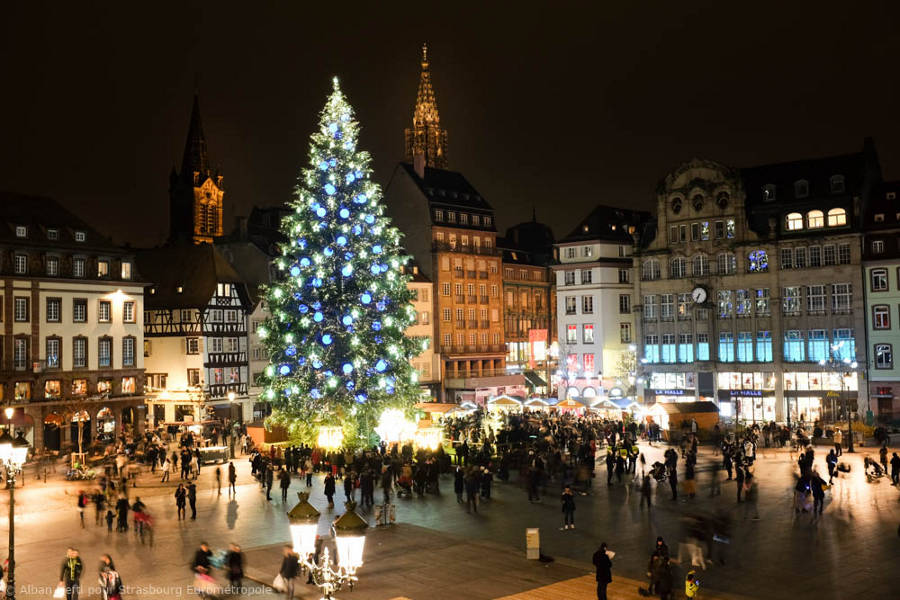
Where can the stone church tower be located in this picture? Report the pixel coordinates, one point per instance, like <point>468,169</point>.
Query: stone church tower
<point>195,194</point>
<point>426,142</point>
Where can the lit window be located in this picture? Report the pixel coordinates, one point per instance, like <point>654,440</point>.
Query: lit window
<point>725,303</point>
<point>841,297</point>
<point>102,268</point>
<point>759,261</point>
<point>571,334</point>
<point>745,346</point>
<point>126,270</point>
<point>685,348</point>
<point>20,265</point>
<point>815,219</point>
<point>21,231</point>
<point>668,348</point>
<point>650,306</point>
<point>881,316</point>
<point>80,236</point>
<point>77,267</point>
<point>837,217</point>
<point>818,345</point>
<point>794,221</point>
<point>702,346</point>
<point>884,356</point>
<point>877,246</point>
<point>52,266</point>
<point>625,333</point>
<point>879,280</point>
<point>793,346</point>
<point>587,335</point>
<point>726,346</point>
<point>764,346</point>
<point>53,234</point>
<point>104,312</point>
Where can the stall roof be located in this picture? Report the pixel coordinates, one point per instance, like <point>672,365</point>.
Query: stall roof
<point>682,408</point>
<point>534,380</point>
<point>536,400</point>
<point>436,407</point>
<point>505,400</point>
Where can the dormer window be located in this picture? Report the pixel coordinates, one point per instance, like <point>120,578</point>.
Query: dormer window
<point>837,184</point>
<point>487,221</point>
<point>879,218</point>
<point>476,220</point>
<point>837,217</point>
<point>463,219</point>
<point>697,202</point>
<point>21,231</point>
<point>891,195</point>
<point>676,205</point>
<point>801,188</point>
<point>439,215</point>
<point>722,200</point>
<point>53,234</point>
<point>80,236</point>
<point>815,219</point>
<point>794,221</point>
<point>451,217</point>
<point>768,193</point>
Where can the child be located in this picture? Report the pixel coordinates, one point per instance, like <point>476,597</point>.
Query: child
<point>691,585</point>
<point>109,520</point>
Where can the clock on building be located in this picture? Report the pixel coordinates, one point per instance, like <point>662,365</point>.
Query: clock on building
<point>699,295</point>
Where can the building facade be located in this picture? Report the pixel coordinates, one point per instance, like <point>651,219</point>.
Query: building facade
<point>428,363</point>
<point>594,304</point>
<point>71,314</point>
<point>881,261</point>
<point>749,281</point>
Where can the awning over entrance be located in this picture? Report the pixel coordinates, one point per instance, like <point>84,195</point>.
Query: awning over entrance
<point>534,380</point>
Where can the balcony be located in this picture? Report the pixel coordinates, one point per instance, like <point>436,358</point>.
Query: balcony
<point>479,250</point>
<point>472,325</point>
<point>483,300</point>
<point>460,299</point>
<point>485,324</point>
<point>221,390</point>
<point>471,274</point>
<point>472,299</point>
<point>483,275</point>
<point>460,324</point>
<point>225,359</point>
<point>458,274</point>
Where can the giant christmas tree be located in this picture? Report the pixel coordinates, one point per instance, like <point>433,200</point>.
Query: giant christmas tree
<point>339,305</point>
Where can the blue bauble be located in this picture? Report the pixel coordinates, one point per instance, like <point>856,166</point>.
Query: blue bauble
<point>302,243</point>
<point>361,199</point>
<point>389,389</point>
<point>305,262</point>
<point>381,365</point>
<point>332,161</point>
<point>284,369</point>
<point>379,339</point>
<point>381,306</point>
<point>317,305</point>
<point>347,271</point>
<point>326,339</point>
<point>315,393</point>
<point>375,270</point>
<point>376,325</point>
<point>295,271</point>
<point>347,320</point>
<point>303,309</point>
<point>350,385</point>
<point>357,229</point>
<point>370,219</point>
<point>361,398</point>
<point>348,255</point>
<point>344,213</point>
<point>317,317</point>
<point>301,361</point>
<point>321,211</point>
<point>291,350</point>
<point>328,252</point>
<point>366,298</point>
<point>332,127</point>
<point>341,240</point>
<point>376,249</point>
<point>323,165</point>
<point>317,364</point>
<point>317,282</point>
<point>347,368</point>
<point>330,189</point>
<point>345,117</point>
<point>350,178</point>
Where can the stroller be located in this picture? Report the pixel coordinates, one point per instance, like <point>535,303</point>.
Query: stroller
<point>658,472</point>
<point>404,487</point>
<point>873,470</point>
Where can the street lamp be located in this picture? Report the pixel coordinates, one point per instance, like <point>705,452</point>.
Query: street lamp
<point>13,453</point>
<point>843,368</point>
<point>349,536</point>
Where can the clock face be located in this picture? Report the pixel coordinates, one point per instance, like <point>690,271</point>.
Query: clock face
<point>699,295</point>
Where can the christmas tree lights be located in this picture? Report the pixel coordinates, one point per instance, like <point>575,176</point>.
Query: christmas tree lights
<point>339,304</point>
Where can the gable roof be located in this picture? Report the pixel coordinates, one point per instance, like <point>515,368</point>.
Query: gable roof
<point>39,213</point>
<point>195,268</point>
<point>608,223</point>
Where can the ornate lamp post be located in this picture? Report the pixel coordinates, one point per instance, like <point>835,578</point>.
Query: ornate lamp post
<point>13,453</point>
<point>350,538</point>
<point>843,368</point>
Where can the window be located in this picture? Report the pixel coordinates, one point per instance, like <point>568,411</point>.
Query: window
<point>447,340</point>
<point>104,352</point>
<point>588,362</point>
<point>487,223</point>
<point>476,221</point>
<point>702,346</point>
<point>828,255</point>
<point>79,353</point>
<point>570,252</point>
<point>624,304</point>
<point>881,316</point>
<point>725,303</point>
<point>587,334</point>
<point>20,353</point>
<point>801,188</point>
<point>794,221</point>
<point>726,346</point>
<point>787,258</point>
<point>587,251</point>
<point>800,258</point>
<point>877,246</point>
<point>423,318</point>
<point>126,270</point>
<point>685,348</point>
<point>720,229</point>
<point>759,261</point>
<point>745,346</point>
<point>231,316</point>
<point>52,388</point>
<point>667,306</point>
<point>128,312</point>
<point>742,303</point>
<point>495,291</point>
<point>216,315</point>
<point>77,267</point>
<point>650,270</point>
<point>678,268</point>
<point>192,345</point>
<point>587,305</point>
<point>650,306</point>
<point>763,346</point>
<point>684,306</point>
<point>791,301</point>
<point>884,356</point>
<point>20,264</point>
<point>104,311</point>
<point>700,265</point>
<point>193,377</point>
<point>128,352</point>
<point>815,299</point>
<point>446,315</point>
<point>445,289</point>
<point>727,264</point>
<point>841,297</point>
<point>438,215</point>
<point>79,387</point>
<point>21,231</point>
<point>625,333</point>
<point>768,192</point>
<point>570,278</point>
<point>837,184</point>
<point>80,236</point>
<point>729,228</point>
<point>695,232</point>
<point>815,256</point>
<point>53,234</point>
<point>676,205</point>
<point>52,266</point>
<point>128,385</point>
<point>793,346</point>
<point>571,305</point>
<point>844,344</point>
<point>818,345</point>
<point>762,302</point>
<point>571,334</point>
<point>215,345</point>
<point>879,280</point>
<point>232,344</point>
<point>837,217</point>
<point>20,310</point>
<point>463,219</point>
<point>79,310</point>
<point>704,231</point>
<point>668,348</point>
<point>815,219</point>
<point>148,350</point>
<point>624,276</point>
<point>52,356</point>
<point>586,276</point>
<point>451,216</point>
<point>102,268</point>
<point>53,310</point>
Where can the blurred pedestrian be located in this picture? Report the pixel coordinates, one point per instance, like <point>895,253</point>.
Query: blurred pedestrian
<point>290,568</point>
<point>603,563</point>
<point>568,508</point>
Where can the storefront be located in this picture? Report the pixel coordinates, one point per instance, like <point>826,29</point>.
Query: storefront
<point>671,387</point>
<point>819,396</point>
<point>748,397</point>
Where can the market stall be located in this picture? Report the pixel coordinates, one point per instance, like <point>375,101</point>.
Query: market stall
<point>672,416</point>
<point>504,403</point>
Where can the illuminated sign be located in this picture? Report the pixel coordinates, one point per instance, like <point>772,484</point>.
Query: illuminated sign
<point>745,393</point>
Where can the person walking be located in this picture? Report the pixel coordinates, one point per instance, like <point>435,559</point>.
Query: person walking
<point>192,498</point>
<point>818,486</point>
<point>82,503</point>
<point>290,568</point>
<point>472,486</point>
<point>882,457</point>
<point>691,585</point>
<point>568,509</point>
<point>831,462</point>
<point>349,485</point>
<point>165,470</point>
<point>201,564</point>
<point>70,574</point>
<point>386,485</point>
<point>180,500</point>
<point>459,484</point>
<point>219,479</point>
<point>270,478</point>
<point>367,489</point>
<point>122,507</point>
<point>895,469</point>
<point>673,480</point>
<point>284,482</point>
<point>99,501</point>
<point>610,466</point>
<point>234,566</point>
<point>603,564</point>
<point>232,479</point>
<point>330,489</point>
<point>838,437</point>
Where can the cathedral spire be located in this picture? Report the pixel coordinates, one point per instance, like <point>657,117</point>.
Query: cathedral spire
<point>195,158</point>
<point>426,142</point>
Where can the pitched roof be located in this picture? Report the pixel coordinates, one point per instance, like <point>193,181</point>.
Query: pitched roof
<point>38,214</point>
<point>195,268</point>
<point>608,223</point>
<point>448,188</point>
<point>195,156</point>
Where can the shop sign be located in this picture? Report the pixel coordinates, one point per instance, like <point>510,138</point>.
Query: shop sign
<point>745,393</point>
<point>669,392</point>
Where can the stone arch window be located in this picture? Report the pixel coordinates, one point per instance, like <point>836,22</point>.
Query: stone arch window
<point>801,188</point>
<point>650,270</point>
<point>794,221</point>
<point>676,205</point>
<point>837,217</point>
<point>678,268</point>
<point>722,199</point>
<point>700,265</point>
<point>815,219</point>
<point>697,202</point>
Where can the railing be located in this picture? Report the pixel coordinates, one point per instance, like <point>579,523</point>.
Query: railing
<point>483,275</point>
<point>479,250</point>
<point>460,324</point>
<point>471,274</point>
<point>220,390</point>
<point>458,273</point>
<point>483,299</point>
<point>460,298</point>
<point>472,299</point>
<point>472,325</point>
<point>485,324</point>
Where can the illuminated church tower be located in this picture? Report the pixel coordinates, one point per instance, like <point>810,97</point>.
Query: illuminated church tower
<point>426,142</point>
<point>195,194</point>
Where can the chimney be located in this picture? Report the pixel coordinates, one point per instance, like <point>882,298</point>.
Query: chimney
<point>240,227</point>
<point>419,164</point>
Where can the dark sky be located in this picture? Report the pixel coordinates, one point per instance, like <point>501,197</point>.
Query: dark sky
<point>557,105</point>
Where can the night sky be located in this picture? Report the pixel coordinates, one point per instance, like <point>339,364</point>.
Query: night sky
<point>554,105</point>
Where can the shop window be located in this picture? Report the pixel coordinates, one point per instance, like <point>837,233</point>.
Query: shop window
<point>79,387</point>
<point>128,385</point>
<point>52,388</point>
<point>104,386</point>
<point>22,390</point>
